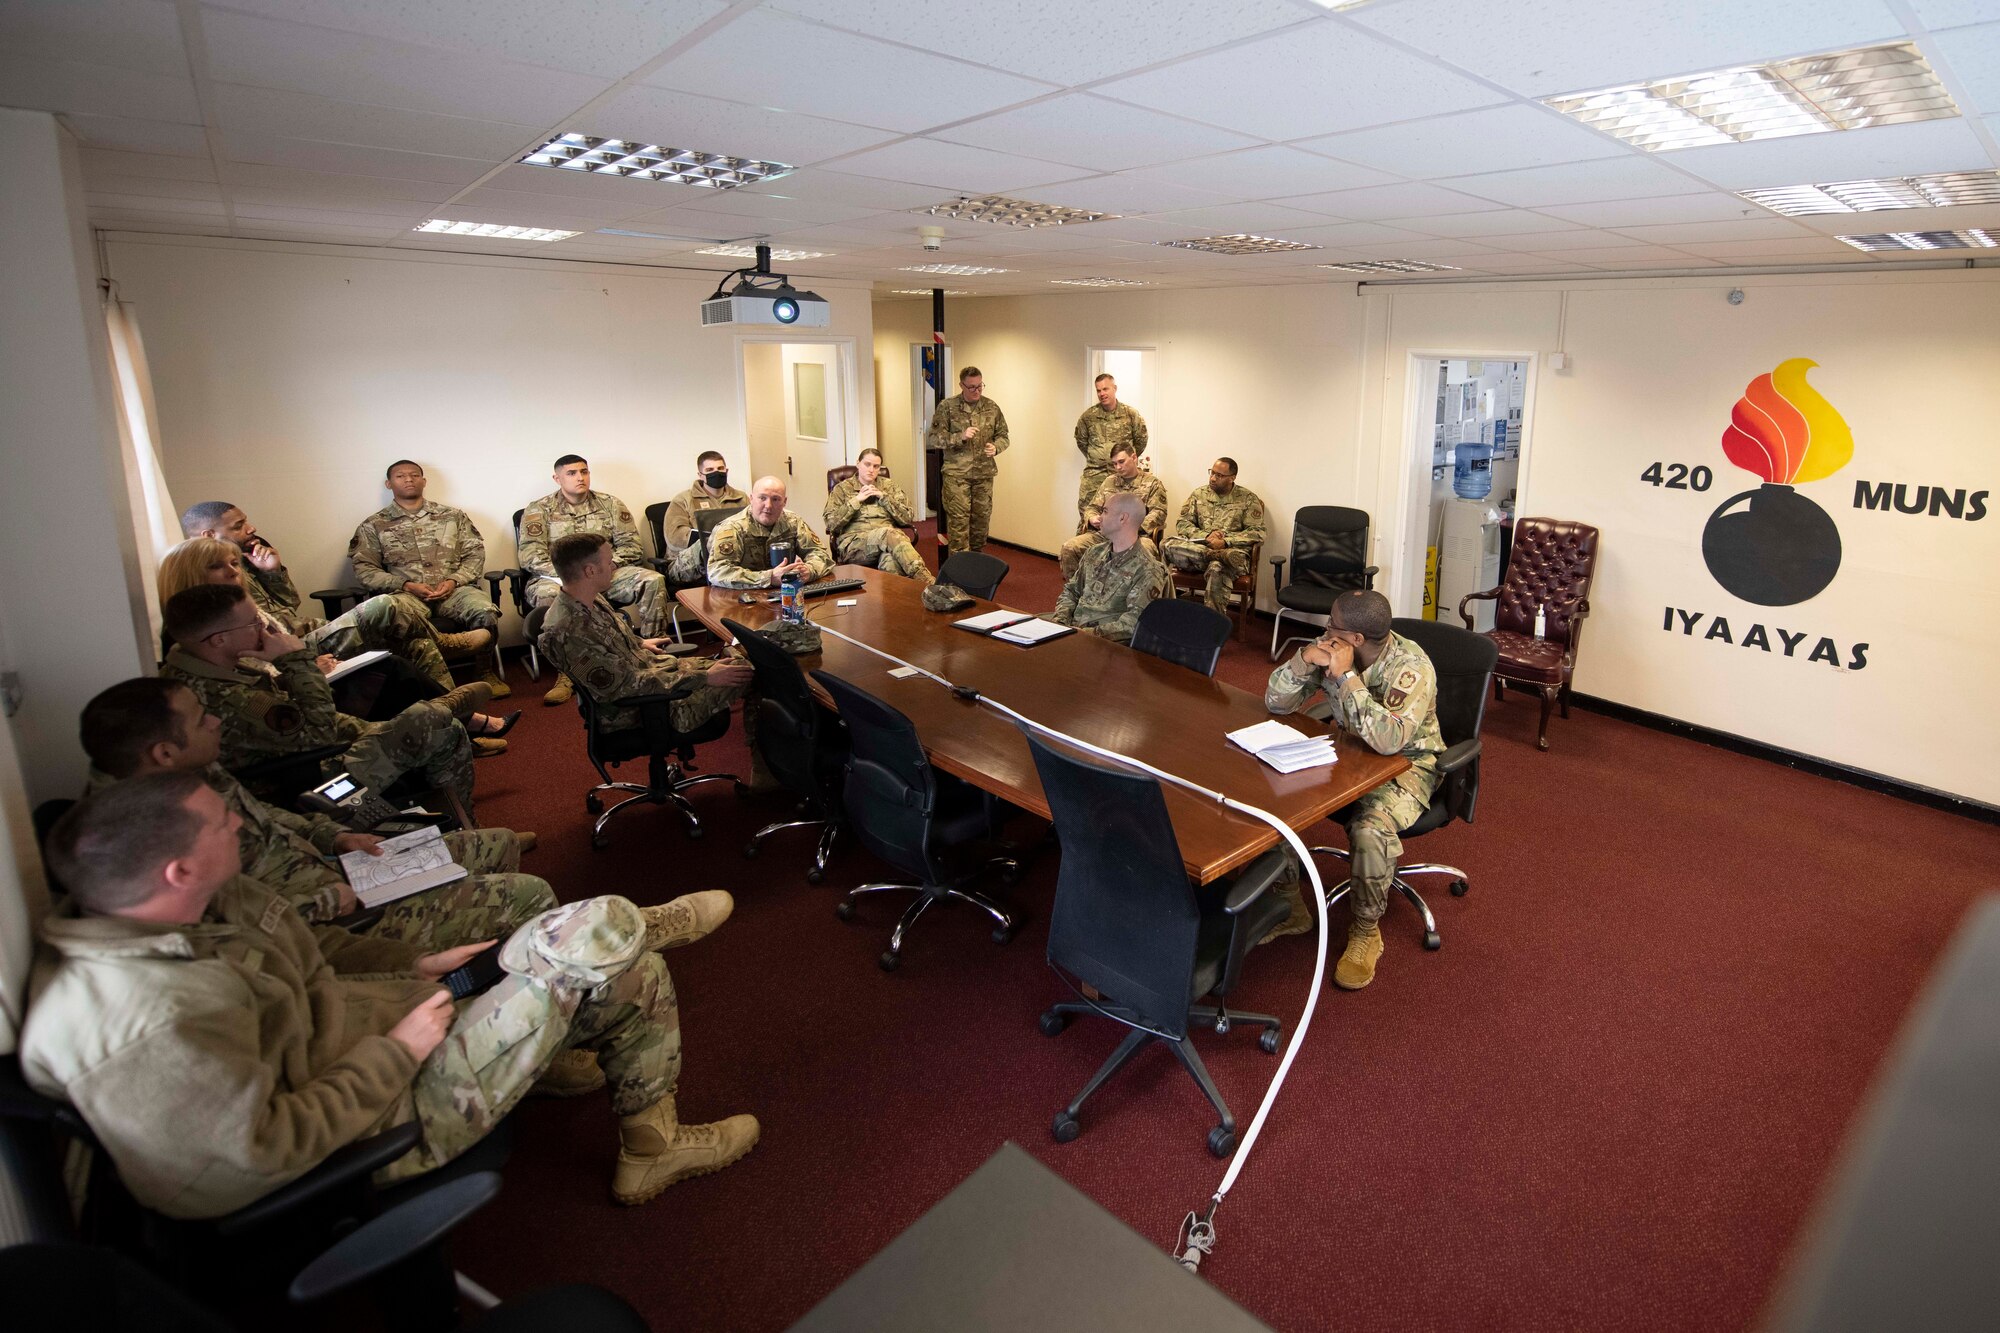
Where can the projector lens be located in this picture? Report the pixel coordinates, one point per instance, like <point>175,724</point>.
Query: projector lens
<point>785,310</point>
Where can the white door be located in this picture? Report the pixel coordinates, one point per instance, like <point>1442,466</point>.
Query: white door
<point>795,416</point>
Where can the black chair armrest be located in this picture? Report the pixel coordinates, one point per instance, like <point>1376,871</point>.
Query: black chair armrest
<point>1278,563</point>
<point>1457,757</point>
<point>334,600</point>
<point>1254,879</point>
<point>342,1167</point>
<point>388,1239</point>
<point>359,920</point>
<point>1368,573</point>
<point>1491,594</point>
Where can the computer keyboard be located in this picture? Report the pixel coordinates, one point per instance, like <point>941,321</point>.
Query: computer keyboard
<point>825,586</point>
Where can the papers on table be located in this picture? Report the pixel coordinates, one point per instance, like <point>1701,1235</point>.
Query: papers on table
<point>409,863</point>
<point>1284,748</point>
<point>992,620</point>
<point>355,663</point>
<point>1031,632</point>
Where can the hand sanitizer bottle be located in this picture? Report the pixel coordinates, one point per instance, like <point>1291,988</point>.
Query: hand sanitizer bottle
<point>1541,620</point>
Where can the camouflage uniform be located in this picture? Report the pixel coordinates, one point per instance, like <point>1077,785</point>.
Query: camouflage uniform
<point>1149,488</point>
<point>429,544</point>
<point>1396,713</point>
<point>968,473</point>
<point>739,550</point>
<point>396,625</point>
<point>872,533</point>
<point>552,518</point>
<point>286,707</point>
<point>1108,591</point>
<point>677,528</point>
<point>1098,431</point>
<point>1239,516</point>
<point>599,651</point>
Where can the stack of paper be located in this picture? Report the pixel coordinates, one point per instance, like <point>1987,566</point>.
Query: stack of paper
<point>1284,748</point>
<point>1031,631</point>
<point>355,663</point>
<point>409,863</point>
<point>991,620</point>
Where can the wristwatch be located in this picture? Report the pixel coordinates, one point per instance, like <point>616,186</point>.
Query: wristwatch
<point>1345,676</point>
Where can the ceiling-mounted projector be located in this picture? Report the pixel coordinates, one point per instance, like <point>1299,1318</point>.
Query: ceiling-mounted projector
<point>764,297</point>
<point>766,305</point>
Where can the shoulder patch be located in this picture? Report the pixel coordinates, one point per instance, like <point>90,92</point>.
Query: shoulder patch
<point>274,912</point>
<point>1398,692</point>
<point>533,526</point>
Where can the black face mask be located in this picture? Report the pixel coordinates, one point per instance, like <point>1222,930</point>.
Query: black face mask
<point>716,481</point>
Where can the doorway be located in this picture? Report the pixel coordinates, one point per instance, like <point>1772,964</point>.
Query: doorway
<point>929,371</point>
<point>798,414</point>
<point>1468,420</point>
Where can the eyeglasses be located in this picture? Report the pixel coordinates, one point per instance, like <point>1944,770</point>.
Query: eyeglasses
<point>227,630</point>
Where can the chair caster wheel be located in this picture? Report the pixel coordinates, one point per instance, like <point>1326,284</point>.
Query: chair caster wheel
<point>1458,888</point>
<point>592,804</point>
<point>1065,1128</point>
<point>844,910</point>
<point>1433,941</point>
<point>1002,934</point>
<point>1010,872</point>
<point>1268,1043</point>
<point>749,851</point>
<point>815,876</point>
<point>598,842</point>
<point>889,961</point>
<point>1221,1141</point>
<point>696,831</point>
<point>1052,1023</point>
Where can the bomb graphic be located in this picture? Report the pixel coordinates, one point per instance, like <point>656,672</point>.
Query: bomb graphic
<point>1772,546</point>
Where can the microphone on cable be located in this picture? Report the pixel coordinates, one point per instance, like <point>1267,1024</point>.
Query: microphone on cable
<point>1200,1237</point>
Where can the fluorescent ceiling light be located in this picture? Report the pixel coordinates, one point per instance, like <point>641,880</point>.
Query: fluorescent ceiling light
<point>1843,90</point>
<point>498,230</point>
<point>650,162</point>
<point>1239,244</point>
<point>750,252</point>
<point>921,291</point>
<point>1972,238</point>
<point>1945,191</point>
<point>1391,266</point>
<point>956,270</point>
<point>1098,282</point>
<point>1011,212</point>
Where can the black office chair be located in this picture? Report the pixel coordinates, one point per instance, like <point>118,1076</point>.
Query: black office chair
<point>924,823</point>
<point>975,571</point>
<point>1329,557</point>
<point>1187,634</point>
<point>707,520</point>
<point>1127,922</point>
<point>1464,663</point>
<point>803,744</point>
<point>669,754</point>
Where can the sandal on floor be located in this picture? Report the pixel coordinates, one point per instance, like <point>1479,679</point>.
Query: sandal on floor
<point>498,729</point>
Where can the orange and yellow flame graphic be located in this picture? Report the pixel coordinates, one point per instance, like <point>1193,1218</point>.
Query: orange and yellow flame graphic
<point>1783,431</point>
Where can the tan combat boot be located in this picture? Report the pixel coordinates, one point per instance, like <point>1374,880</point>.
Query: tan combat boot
<point>525,841</point>
<point>655,1150</point>
<point>470,641</point>
<point>496,682</point>
<point>486,747</point>
<point>466,699</point>
<point>1298,921</point>
<point>1356,967</point>
<point>559,693</point>
<point>687,918</point>
<point>572,1073</point>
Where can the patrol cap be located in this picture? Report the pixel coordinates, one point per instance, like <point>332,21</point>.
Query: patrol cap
<point>946,597</point>
<point>578,945</point>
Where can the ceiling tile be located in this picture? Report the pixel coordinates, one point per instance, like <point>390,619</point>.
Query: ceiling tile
<point>1127,194</point>
<point>1390,201</point>
<point>38,83</point>
<point>1952,13</point>
<point>608,40</point>
<point>685,120</point>
<point>334,200</point>
<point>100,182</point>
<point>1505,222</point>
<point>1742,229</point>
<point>954,167</point>
<point>290,185</point>
<point>1234,219</point>
<point>1611,256</point>
<point>1094,133</point>
<point>525,208</point>
<point>1973,55</point>
<point>1560,240</point>
<point>139,136</point>
<point>1579,183</point>
<point>1264,173</point>
<point>1669,208</point>
<point>153,204</point>
<point>270,111</point>
<point>1433,250</point>
<point>1797,247</point>
<point>1353,233</point>
<point>138,35</point>
<point>342,159</point>
<point>1845,155</point>
<point>1057,40</point>
<point>315,231</point>
<point>337,217</point>
<point>776,207</point>
<point>771,60</point>
<point>268,53</point>
<point>147,164</point>
<point>1499,138</point>
<point>1539,47</point>
<point>836,187</point>
<point>1318,79</point>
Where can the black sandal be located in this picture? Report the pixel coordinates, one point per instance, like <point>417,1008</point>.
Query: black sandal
<point>495,730</point>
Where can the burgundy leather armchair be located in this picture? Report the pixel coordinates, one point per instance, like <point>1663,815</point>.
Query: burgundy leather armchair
<point>1551,569</point>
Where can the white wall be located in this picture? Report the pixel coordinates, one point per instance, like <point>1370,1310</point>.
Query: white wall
<point>71,618</point>
<point>289,376</point>
<point>1309,389</point>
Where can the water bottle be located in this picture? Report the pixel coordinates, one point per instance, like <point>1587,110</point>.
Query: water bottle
<point>1472,474</point>
<point>791,604</point>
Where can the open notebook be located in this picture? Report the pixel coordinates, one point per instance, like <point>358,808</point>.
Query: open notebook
<point>1284,748</point>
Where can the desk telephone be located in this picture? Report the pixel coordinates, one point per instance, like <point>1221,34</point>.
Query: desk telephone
<point>359,808</point>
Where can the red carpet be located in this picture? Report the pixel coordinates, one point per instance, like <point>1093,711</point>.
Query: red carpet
<point>1607,1103</point>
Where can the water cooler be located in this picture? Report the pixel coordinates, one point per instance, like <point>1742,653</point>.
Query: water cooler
<point>1468,559</point>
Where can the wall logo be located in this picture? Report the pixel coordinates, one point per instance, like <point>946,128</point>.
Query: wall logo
<point>1780,548</point>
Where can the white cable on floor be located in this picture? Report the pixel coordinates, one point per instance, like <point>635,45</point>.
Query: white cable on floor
<point>1199,1231</point>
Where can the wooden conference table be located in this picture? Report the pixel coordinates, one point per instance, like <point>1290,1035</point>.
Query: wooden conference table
<point>1101,692</point>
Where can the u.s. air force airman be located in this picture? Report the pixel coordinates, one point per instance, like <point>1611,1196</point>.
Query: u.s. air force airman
<point>972,431</point>
<point>1218,527</point>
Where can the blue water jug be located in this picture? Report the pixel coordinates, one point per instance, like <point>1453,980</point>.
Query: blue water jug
<point>1472,477</point>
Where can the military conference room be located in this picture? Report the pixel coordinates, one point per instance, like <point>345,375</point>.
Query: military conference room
<point>796,664</point>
